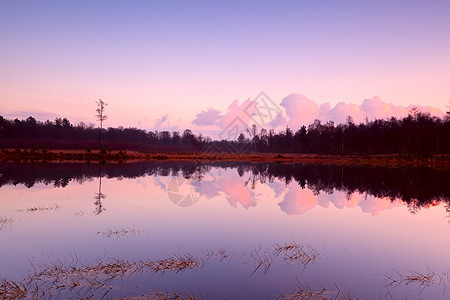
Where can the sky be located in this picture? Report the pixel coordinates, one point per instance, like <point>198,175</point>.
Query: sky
<point>171,65</point>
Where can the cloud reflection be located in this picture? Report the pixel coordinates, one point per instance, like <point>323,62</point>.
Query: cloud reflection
<point>298,201</point>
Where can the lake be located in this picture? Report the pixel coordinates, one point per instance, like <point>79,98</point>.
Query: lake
<point>229,230</point>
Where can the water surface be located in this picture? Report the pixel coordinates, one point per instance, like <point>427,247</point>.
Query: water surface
<point>248,230</point>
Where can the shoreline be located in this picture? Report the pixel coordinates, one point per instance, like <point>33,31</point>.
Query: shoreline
<point>119,156</point>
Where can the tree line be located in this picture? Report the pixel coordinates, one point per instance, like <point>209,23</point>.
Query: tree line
<point>416,134</point>
<point>62,134</point>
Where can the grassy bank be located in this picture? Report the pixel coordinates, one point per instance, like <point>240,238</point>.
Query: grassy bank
<point>123,156</point>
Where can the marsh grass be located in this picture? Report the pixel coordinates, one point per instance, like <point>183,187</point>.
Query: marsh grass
<point>304,292</point>
<point>290,253</point>
<point>5,223</point>
<point>167,295</point>
<point>120,233</point>
<point>70,278</point>
<point>79,213</point>
<point>262,260</point>
<point>295,253</point>
<point>222,254</point>
<point>422,280</point>
<point>12,290</point>
<point>176,264</point>
<point>40,208</point>
<point>58,277</point>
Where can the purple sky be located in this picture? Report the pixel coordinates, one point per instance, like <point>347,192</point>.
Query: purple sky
<point>174,59</point>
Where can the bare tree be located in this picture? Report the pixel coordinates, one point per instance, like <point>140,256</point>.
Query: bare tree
<point>101,117</point>
<point>414,112</point>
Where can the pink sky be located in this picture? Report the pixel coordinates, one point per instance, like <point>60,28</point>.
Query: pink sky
<point>172,61</point>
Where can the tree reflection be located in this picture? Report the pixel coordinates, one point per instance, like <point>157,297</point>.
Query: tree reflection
<point>416,186</point>
<point>98,197</point>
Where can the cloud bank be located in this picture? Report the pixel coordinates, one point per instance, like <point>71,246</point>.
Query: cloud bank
<point>300,110</point>
<point>214,117</point>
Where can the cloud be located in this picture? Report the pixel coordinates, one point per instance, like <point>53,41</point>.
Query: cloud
<point>229,124</point>
<point>303,111</point>
<point>241,111</point>
<point>159,122</point>
<point>376,108</point>
<point>278,122</point>
<point>208,117</point>
<point>300,110</point>
<point>166,123</point>
<point>341,111</point>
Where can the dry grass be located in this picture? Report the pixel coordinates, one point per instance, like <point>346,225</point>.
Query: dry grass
<point>58,277</point>
<point>12,290</point>
<point>40,208</point>
<point>96,279</point>
<point>291,253</point>
<point>119,233</point>
<point>169,295</point>
<point>423,280</point>
<point>177,264</point>
<point>295,253</point>
<point>262,259</point>
<point>115,156</point>
<point>112,268</point>
<point>79,213</point>
<point>5,223</point>
<point>222,254</point>
<point>303,292</point>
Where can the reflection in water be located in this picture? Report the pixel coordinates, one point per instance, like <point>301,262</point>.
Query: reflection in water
<point>416,186</point>
<point>98,197</point>
<point>297,201</point>
<point>220,251</point>
<point>184,192</point>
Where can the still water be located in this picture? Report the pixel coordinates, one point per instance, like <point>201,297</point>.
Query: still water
<point>225,230</point>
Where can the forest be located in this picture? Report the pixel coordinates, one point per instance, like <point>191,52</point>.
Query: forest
<point>418,134</point>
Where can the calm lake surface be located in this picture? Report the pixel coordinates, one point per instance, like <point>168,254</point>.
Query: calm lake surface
<point>226,230</point>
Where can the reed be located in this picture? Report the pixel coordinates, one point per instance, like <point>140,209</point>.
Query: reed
<point>295,253</point>
<point>222,254</point>
<point>40,208</point>
<point>177,264</point>
<point>423,280</point>
<point>262,259</point>
<point>12,290</point>
<point>303,292</point>
<point>112,268</point>
<point>70,278</point>
<point>5,222</point>
<point>168,295</point>
<point>58,277</point>
<point>119,233</point>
